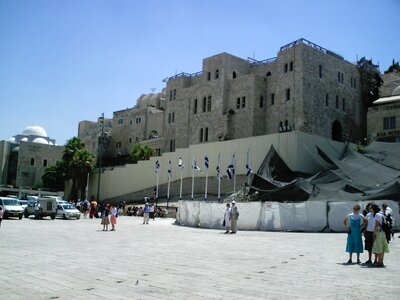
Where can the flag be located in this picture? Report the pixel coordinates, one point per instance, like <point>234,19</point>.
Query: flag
<point>195,166</point>
<point>180,164</point>
<point>219,177</point>
<point>169,170</point>
<point>248,169</point>
<point>231,167</point>
<point>157,166</point>
<point>206,162</point>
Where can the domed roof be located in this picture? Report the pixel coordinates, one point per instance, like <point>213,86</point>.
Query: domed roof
<point>11,140</point>
<point>34,130</point>
<point>16,149</point>
<point>25,139</point>
<point>40,141</point>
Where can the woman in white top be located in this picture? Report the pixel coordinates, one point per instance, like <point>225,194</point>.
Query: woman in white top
<point>380,246</point>
<point>369,233</point>
<point>227,219</point>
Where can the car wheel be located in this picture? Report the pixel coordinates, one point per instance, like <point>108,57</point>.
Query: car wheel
<point>64,217</point>
<point>78,218</point>
<point>53,217</point>
<point>20,216</point>
<point>26,215</point>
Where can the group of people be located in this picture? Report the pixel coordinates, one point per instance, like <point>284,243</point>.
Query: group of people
<point>135,211</point>
<point>231,217</point>
<point>376,225</point>
<point>109,214</point>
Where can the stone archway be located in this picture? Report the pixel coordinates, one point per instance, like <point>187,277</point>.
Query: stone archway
<point>337,131</point>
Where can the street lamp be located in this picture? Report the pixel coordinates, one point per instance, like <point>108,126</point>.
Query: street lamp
<point>101,141</point>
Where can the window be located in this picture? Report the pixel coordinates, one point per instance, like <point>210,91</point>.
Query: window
<point>233,75</point>
<point>130,122</point>
<point>195,107</point>
<point>137,139</point>
<point>138,120</point>
<point>209,104</point>
<point>238,103</point>
<point>204,104</point>
<point>172,145</point>
<point>291,66</point>
<point>130,140</point>
<point>45,163</point>
<point>173,117</point>
<point>216,74</point>
<point>201,135</point>
<point>320,71</point>
<point>243,102</point>
<point>206,134</point>
<point>174,96</point>
<point>341,77</point>
<point>354,83</point>
<point>261,102</point>
<point>343,104</point>
<point>169,118</point>
<point>118,145</point>
<point>120,121</point>
<point>389,123</point>
<point>32,161</point>
<point>326,99</point>
<point>208,76</point>
<point>268,74</point>
<point>338,76</point>
<point>337,101</point>
<point>287,94</point>
<point>272,99</point>
<point>170,95</point>
<point>286,68</point>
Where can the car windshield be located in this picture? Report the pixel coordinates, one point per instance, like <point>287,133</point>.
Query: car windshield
<point>11,202</point>
<point>68,206</point>
<point>23,202</point>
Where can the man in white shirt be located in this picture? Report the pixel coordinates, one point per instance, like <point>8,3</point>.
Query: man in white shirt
<point>234,217</point>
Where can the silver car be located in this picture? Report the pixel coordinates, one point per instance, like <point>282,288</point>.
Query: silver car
<point>67,211</point>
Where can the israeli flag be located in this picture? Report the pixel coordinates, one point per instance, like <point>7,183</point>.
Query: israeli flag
<point>231,167</point>
<point>157,166</point>
<point>248,169</point>
<point>218,168</point>
<point>180,164</point>
<point>206,162</point>
<point>169,170</point>
<point>196,167</point>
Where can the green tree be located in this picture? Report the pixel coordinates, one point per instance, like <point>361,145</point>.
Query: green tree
<point>54,176</point>
<point>141,152</point>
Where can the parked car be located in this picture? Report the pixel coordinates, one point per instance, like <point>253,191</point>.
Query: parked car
<point>11,207</point>
<point>44,207</point>
<point>24,203</point>
<point>67,211</point>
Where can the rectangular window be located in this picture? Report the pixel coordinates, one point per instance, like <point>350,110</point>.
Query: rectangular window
<point>291,66</point>
<point>392,123</point>
<point>338,76</point>
<point>341,77</point>
<point>327,99</point>
<point>272,99</point>
<point>243,102</point>
<point>169,118</point>
<point>238,103</point>
<point>209,104</point>
<point>173,117</point>
<point>216,74</point>
<point>337,101</point>
<point>45,163</point>
<point>201,135</point>
<point>286,68</point>
<point>138,120</point>
<point>204,104</point>
<point>120,121</point>
<point>130,140</point>
<point>389,123</point>
<point>174,96</point>
<point>195,107</point>
<point>320,71</point>
<point>354,83</point>
<point>130,122</point>
<point>206,135</point>
<point>287,94</point>
<point>386,123</point>
<point>261,101</point>
<point>343,104</point>
<point>137,139</point>
<point>170,95</point>
<point>208,76</point>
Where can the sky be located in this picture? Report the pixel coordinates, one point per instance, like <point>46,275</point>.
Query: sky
<point>64,61</point>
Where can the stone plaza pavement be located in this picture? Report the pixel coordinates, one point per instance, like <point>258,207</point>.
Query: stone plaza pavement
<point>74,259</point>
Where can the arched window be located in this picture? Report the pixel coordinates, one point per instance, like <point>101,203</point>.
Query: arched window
<point>233,75</point>
<point>216,74</point>
<point>268,74</point>
<point>32,161</point>
<point>45,163</point>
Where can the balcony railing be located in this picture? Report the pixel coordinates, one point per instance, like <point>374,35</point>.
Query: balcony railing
<point>384,107</point>
<point>183,74</point>
<point>312,45</point>
<point>255,63</point>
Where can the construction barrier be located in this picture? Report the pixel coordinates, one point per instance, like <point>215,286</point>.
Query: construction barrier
<point>309,216</point>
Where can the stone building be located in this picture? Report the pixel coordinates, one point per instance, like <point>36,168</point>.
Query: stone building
<point>384,116</point>
<point>24,158</point>
<point>306,87</point>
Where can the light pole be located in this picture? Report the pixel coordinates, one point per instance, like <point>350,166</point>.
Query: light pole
<point>101,141</point>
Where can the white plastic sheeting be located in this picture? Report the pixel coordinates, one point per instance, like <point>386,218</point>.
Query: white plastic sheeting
<point>309,216</point>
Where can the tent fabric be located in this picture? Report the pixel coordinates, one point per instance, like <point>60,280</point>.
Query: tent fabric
<point>387,154</point>
<point>307,216</point>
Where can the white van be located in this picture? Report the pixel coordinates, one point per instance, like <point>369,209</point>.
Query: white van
<point>11,207</point>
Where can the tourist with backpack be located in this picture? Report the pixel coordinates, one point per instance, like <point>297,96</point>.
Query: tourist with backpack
<point>380,246</point>
<point>387,222</point>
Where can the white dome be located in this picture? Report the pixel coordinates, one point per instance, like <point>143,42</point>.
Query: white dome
<point>34,130</point>
<point>16,149</point>
<point>11,140</point>
<point>25,139</point>
<point>40,141</point>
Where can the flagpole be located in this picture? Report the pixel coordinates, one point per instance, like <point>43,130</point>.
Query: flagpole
<point>219,177</point>
<point>234,175</point>
<point>169,182</point>
<point>193,177</point>
<point>157,189</point>
<point>205,195</point>
<point>180,189</point>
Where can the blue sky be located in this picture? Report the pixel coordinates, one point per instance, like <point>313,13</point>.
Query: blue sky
<point>66,61</point>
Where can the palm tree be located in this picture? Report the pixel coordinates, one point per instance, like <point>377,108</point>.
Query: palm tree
<point>83,164</point>
<point>54,176</point>
<point>141,152</point>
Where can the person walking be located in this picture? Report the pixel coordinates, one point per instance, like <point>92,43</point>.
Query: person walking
<point>227,218</point>
<point>1,215</point>
<point>146,214</point>
<point>380,246</point>
<point>113,217</point>
<point>152,212</point>
<point>353,223</point>
<point>104,217</point>
<point>234,216</point>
